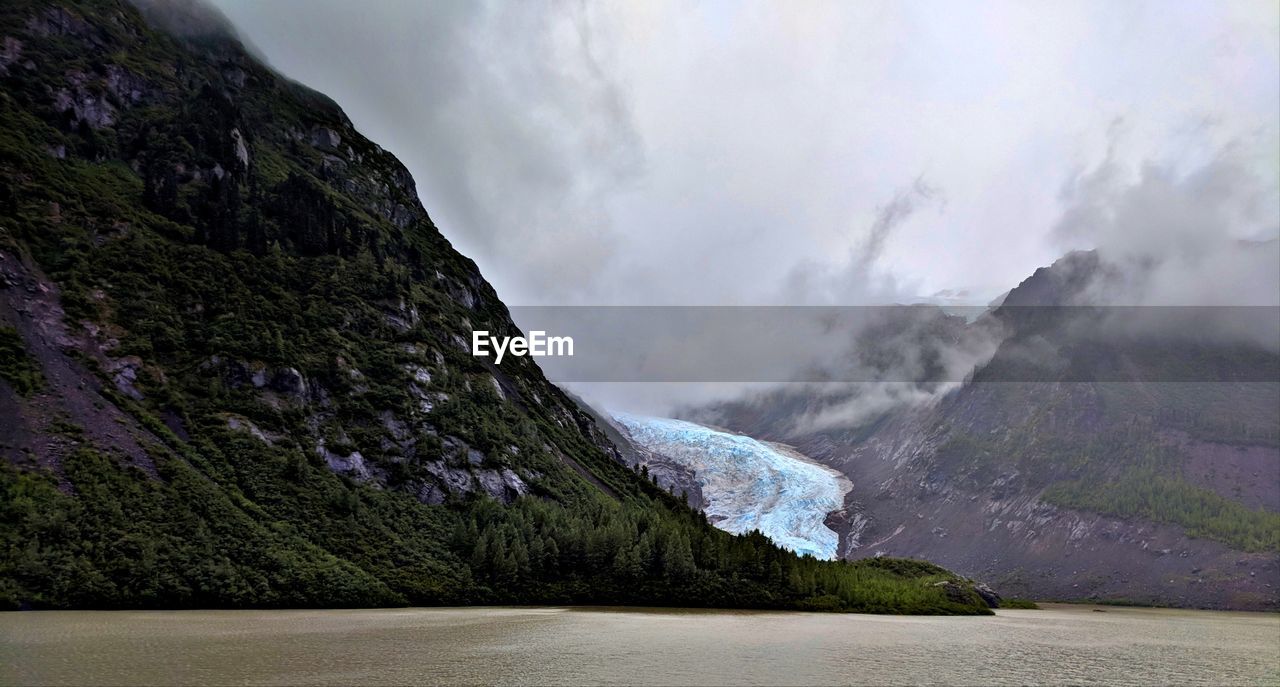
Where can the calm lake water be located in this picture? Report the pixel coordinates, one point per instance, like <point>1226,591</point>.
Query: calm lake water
<point>637,646</point>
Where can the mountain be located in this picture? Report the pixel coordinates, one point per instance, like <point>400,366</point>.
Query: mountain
<point>1124,454</point>
<point>669,475</point>
<point>234,367</point>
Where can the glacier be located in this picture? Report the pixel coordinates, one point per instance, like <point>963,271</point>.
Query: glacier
<point>749,484</point>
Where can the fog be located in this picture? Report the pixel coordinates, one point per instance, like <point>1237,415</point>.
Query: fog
<point>758,153</point>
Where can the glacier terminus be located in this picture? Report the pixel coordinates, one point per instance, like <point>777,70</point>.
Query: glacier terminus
<point>749,484</point>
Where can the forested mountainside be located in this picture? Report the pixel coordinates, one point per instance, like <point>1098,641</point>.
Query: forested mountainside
<point>1069,466</point>
<point>234,367</point>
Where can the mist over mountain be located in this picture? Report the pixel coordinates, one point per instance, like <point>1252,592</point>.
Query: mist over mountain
<point>1100,452</point>
<point>235,367</point>
<point>236,347</point>
<point>717,176</point>
<point>828,154</point>
<point>545,342</point>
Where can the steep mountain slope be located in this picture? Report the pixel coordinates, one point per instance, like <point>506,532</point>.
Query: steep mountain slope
<point>1081,462</point>
<point>668,474</point>
<point>235,367</point>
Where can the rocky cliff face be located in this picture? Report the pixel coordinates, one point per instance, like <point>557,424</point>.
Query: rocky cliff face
<point>1054,485</point>
<point>207,267</point>
<point>231,158</point>
<point>668,474</point>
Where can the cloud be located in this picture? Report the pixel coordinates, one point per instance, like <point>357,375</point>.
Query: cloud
<point>856,405</point>
<point>185,18</point>
<point>507,115</point>
<point>1198,229</point>
<point>681,153</point>
<point>676,153</point>
<point>1197,243</point>
<point>857,281</point>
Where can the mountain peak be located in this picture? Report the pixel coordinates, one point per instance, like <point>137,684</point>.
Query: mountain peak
<point>1061,283</point>
<point>186,18</point>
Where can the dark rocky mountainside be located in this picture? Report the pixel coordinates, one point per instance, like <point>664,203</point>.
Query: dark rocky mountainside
<point>664,472</point>
<point>1077,464</point>
<point>234,366</point>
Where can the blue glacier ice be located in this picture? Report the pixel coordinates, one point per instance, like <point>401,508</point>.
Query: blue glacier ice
<point>748,484</point>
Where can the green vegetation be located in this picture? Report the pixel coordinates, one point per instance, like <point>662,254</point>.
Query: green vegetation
<point>1125,603</point>
<point>1125,466</point>
<point>272,269</point>
<point>1232,413</point>
<point>1157,497</point>
<point>125,540</point>
<point>16,367</point>
<point>1018,603</point>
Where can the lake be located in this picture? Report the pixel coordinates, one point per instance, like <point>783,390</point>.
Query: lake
<point>637,646</point>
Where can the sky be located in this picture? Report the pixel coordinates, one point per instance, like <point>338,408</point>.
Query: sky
<point>846,153</point>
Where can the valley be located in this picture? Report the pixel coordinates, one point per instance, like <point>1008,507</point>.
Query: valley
<point>697,343</point>
<point>237,369</point>
<point>1120,468</point>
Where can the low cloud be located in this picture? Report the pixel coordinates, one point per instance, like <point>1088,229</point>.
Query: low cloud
<point>1173,237</point>
<point>646,153</point>
<point>1197,246</point>
<point>859,279</point>
<point>508,115</point>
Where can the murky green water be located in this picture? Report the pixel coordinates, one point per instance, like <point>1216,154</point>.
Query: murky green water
<point>630,646</point>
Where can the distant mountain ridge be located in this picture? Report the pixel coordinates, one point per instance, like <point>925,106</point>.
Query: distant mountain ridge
<point>1078,463</point>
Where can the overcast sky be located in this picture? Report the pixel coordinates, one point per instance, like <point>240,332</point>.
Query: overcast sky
<point>798,152</point>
